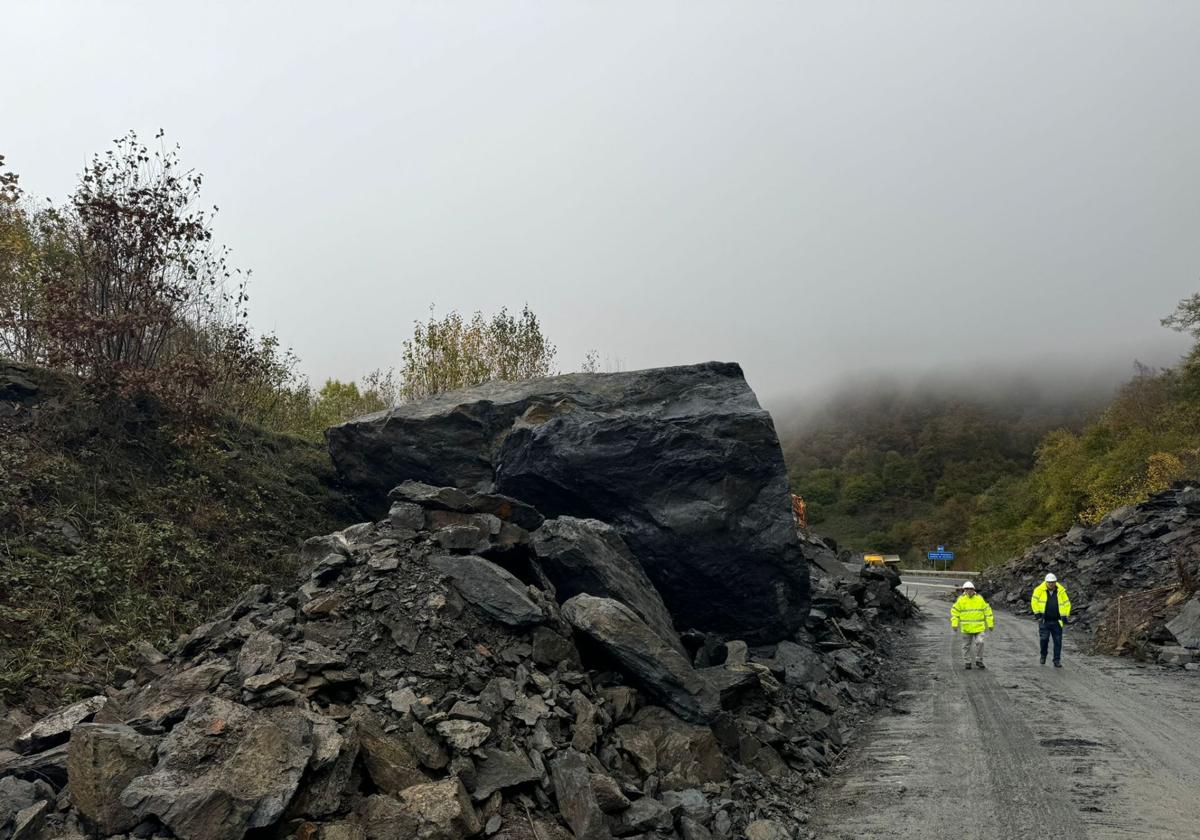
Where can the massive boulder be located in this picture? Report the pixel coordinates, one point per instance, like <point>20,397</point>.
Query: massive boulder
<point>682,461</point>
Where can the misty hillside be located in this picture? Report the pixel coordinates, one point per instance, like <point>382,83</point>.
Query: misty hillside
<point>989,468</point>
<point>900,467</point>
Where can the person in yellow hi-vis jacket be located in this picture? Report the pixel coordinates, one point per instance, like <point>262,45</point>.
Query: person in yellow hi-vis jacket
<point>972,615</point>
<point>1052,607</point>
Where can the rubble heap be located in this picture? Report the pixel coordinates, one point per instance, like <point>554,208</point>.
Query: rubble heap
<point>464,667</point>
<point>1131,577</point>
<point>413,689</point>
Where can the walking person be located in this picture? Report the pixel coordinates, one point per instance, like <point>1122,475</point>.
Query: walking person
<point>1052,607</point>
<point>972,616</point>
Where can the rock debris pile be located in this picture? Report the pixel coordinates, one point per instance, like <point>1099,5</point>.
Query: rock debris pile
<point>467,667</point>
<point>1131,577</point>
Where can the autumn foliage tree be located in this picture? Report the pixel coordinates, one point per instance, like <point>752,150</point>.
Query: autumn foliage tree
<point>140,299</point>
<point>454,352</point>
<point>22,229</point>
<point>124,286</point>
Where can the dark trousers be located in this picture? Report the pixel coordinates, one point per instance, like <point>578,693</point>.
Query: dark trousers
<point>1046,630</point>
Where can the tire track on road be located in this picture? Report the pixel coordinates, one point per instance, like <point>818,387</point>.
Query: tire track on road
<point>1100,749</point>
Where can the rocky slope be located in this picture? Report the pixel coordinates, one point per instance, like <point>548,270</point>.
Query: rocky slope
<point>1131,577</point>
<point>463,667</point>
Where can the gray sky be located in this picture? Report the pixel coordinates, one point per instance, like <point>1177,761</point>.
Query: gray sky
<point>810,189</point>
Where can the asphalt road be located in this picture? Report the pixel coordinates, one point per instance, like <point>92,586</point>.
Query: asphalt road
<point>1101,748</point>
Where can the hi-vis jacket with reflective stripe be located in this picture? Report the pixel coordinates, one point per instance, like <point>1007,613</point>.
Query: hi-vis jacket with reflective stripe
<point>1038,602</point>
<point>972,614</point>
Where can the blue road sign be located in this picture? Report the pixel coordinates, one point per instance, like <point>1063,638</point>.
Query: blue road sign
<point>940,554</point>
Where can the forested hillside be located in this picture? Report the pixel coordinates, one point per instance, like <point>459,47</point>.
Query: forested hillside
<point>901,469</point>
<point>989,469</point>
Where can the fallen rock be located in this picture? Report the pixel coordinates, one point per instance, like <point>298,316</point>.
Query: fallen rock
<point>689,801</point>
<point>576,801</point>
<point>734,686</point>
<point>642,816</point>
<point>1185,627</point>
<point>391,762</point>
<point>662,670</point>
<point>766,830</point>
<point>102,759</point>
<point>27,823</point>
<point>15,796</point>
<point>223,771</point>
<point>49,765</point>
<point>464,735</point>
<point>798,665</point>
<point>500,770</point>
<point>461,501</point>
<point>682,461</point>
<point>56,729</point>
<point>609,796</point>
<point>585,556</point>
<point>441,811</point>
<point>684,755</point>
<point>495,591</point>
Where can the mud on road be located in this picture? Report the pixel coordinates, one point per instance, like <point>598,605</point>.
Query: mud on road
<point>1101,748</point>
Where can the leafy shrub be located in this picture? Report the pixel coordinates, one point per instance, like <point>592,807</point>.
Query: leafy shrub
<point>453,352</point>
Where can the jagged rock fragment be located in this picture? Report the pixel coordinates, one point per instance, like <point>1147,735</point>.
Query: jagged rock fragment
<point>56,729</point>
<point>587,556</point>
<point>223,771</point>
<point>576,801</point>
<point>102,759</point>
<point>500,770</point>
<point>495,591</point>
<point>661,669</point>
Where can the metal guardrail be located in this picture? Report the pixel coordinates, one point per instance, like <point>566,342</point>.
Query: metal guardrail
<point>933,573</point>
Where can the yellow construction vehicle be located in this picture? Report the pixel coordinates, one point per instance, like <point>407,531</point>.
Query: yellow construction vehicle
<point>881,559</point>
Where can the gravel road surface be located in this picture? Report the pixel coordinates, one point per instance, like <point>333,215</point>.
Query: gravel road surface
<point>1101,748</point>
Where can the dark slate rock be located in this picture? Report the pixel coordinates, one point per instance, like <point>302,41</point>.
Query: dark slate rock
<point>1185,627</point>
<point>501,769</point>
<point>611,798</point>
<point>224,770</point>
<point>644,815</point>
<point>587,556</point>
<point>660,668</point>
<point>576,801</point>
<point>389,758</point>
<point>56,728</point>
<point>494,590</point>
<point>684,755</point>
<point>27,823</point>
<point>15,796</point>
<point>461,501</point>
<point>102,759</point>
<point>682,461</point>
<point>798,665</point>
<point>50,765</point>
<point>733,685</point>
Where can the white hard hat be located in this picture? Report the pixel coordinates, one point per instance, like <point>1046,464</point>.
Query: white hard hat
<point>1050,578</point>
<point>968,585</point>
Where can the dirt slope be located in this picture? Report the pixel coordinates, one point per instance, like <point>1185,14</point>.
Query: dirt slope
<point>1102,748</point>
